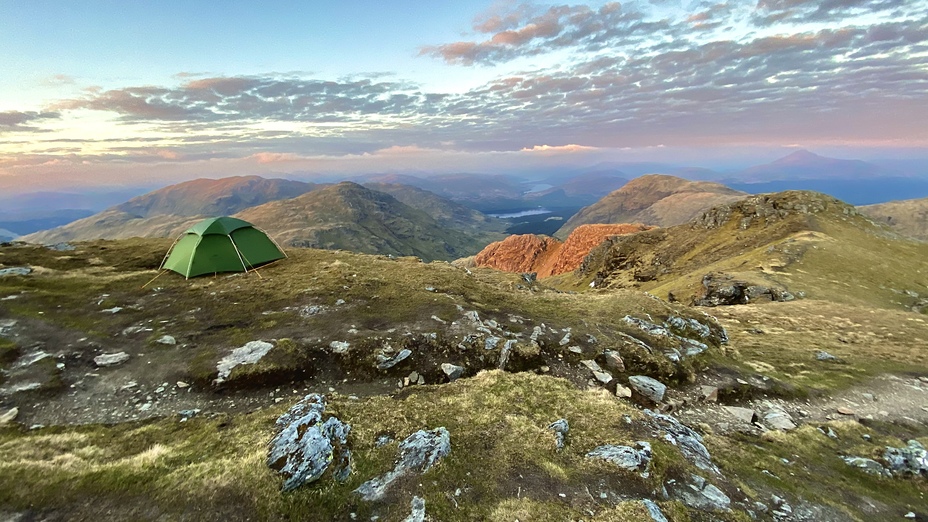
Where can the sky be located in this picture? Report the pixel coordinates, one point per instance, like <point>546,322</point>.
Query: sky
<point>141,93</point>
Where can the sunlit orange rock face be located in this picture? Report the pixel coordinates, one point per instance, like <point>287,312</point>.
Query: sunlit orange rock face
<point>548,256</point>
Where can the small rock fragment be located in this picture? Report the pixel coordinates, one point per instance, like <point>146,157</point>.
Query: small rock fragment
<point>654,510</point>
<point>384,362</point>
<point>746,415</point>
<point>709,393</point>
<point>648,387</point>
<point>624,457</point>
<point>824,356</point>
<point>167,339</point>
<point>339,346</point>
<point>845,410</point>
<point>560,428</point>
<point>622,391</point>
<point>251,353</point>
<point>110,359</point>
<point>452,371</point>
<point>8,416</point>
<point>614,361</point>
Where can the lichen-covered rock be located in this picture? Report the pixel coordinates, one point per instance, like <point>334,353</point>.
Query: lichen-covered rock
<point>686,347</point>
<point>418,452</point>
<point>624,457</point>
<point>305,446</point>
<point>251,353</point>
<point>110,359</point>
<point>648,387</point>
<point>722,289</point>
<point>417,510</point>
<point>682,436</point>
<point>560,428</point>
<point>452,371</point>
<point>867,465</point>
<point>654,510</point>
<point>702,495</point>
<point>385,363</point>
<point>912,459</point>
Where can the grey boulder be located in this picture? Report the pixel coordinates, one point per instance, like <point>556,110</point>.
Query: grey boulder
<point>648,387</point>
<point>418,452</point>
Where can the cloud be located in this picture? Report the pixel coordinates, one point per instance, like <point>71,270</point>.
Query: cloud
<point>558,149</point>
<point>19,120</point>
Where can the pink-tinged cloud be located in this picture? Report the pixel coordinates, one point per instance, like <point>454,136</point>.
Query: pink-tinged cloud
<point>559,149</point>
<point>276,157</point>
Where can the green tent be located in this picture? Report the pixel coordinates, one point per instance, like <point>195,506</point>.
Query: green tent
<point>222,244</point>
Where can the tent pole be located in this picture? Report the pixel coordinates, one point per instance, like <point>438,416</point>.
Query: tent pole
<point>168,253</point>
<point>156,277</point>
<point>240,258</point>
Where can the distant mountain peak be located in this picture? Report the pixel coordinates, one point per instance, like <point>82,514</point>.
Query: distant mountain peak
<point>799,156</point>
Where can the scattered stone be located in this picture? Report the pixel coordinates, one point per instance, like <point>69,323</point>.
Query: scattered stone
<point>491,342</point>
<point>339,346</point>
<point>654,510</point>
<point>304,446</point>
<point>113,310</point>
<point>110,359</point>
<point>624,457</point>
<point>912,459</point>
<point>603,377</point>
<point>167,339</point>
<point>186,414</point>
<point>574,349</point>
<point>565,340</point>
<point>745,415</point>
<point>824,356</point>
<point>845,411</point>
<point>869,466</point>
<point>418,452</point>
<point>614,361</point>
<point>132,330</point>
<point>709,393</point>
<point>504,353</point>
<point>648,387</point>
<point>384,362</point>
<point>703,496</point>
<point>530,277</point>
<point>182,384</point>
<point>15,271</point>
<point>591,365</point>
<point>869,396</point>
<point>413,377</point>
<point>339,302</point>
<point>251,353</point>
<point>560,428</point>
<point>418,510</point>
<point>778,419</point>
<point>910,514</point>
<point>8,416</point>
<point>452,371</point>
<point>682,436</point>
<point>622,391</point>
<point>383,439</point>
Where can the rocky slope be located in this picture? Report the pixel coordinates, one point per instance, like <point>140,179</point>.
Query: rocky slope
<point>351,217</point>
<point>770,246</point>
<point>654,199</point>
<point>547,256</point>
<point>908,217</point>
<point>169,211</point>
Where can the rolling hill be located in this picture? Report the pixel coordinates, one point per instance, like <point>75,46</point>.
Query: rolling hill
<point>770,246</point>
<point>654,199</point>
<point>351,217</point>
<point>170,210</point>
<point>908,217</point>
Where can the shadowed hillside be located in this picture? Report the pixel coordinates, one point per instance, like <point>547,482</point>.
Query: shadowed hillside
<point>350,217</point>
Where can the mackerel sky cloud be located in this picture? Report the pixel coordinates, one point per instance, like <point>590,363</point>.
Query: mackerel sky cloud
<point>483,79</point>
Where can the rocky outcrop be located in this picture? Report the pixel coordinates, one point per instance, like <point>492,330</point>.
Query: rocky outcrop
<point>722,289</point>
<point>625,457</point>
<point>305,447</point>
<point>419,452</point>
<point>547,256</point>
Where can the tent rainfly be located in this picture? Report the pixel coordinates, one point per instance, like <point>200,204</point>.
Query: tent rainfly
<point>221,244</point>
